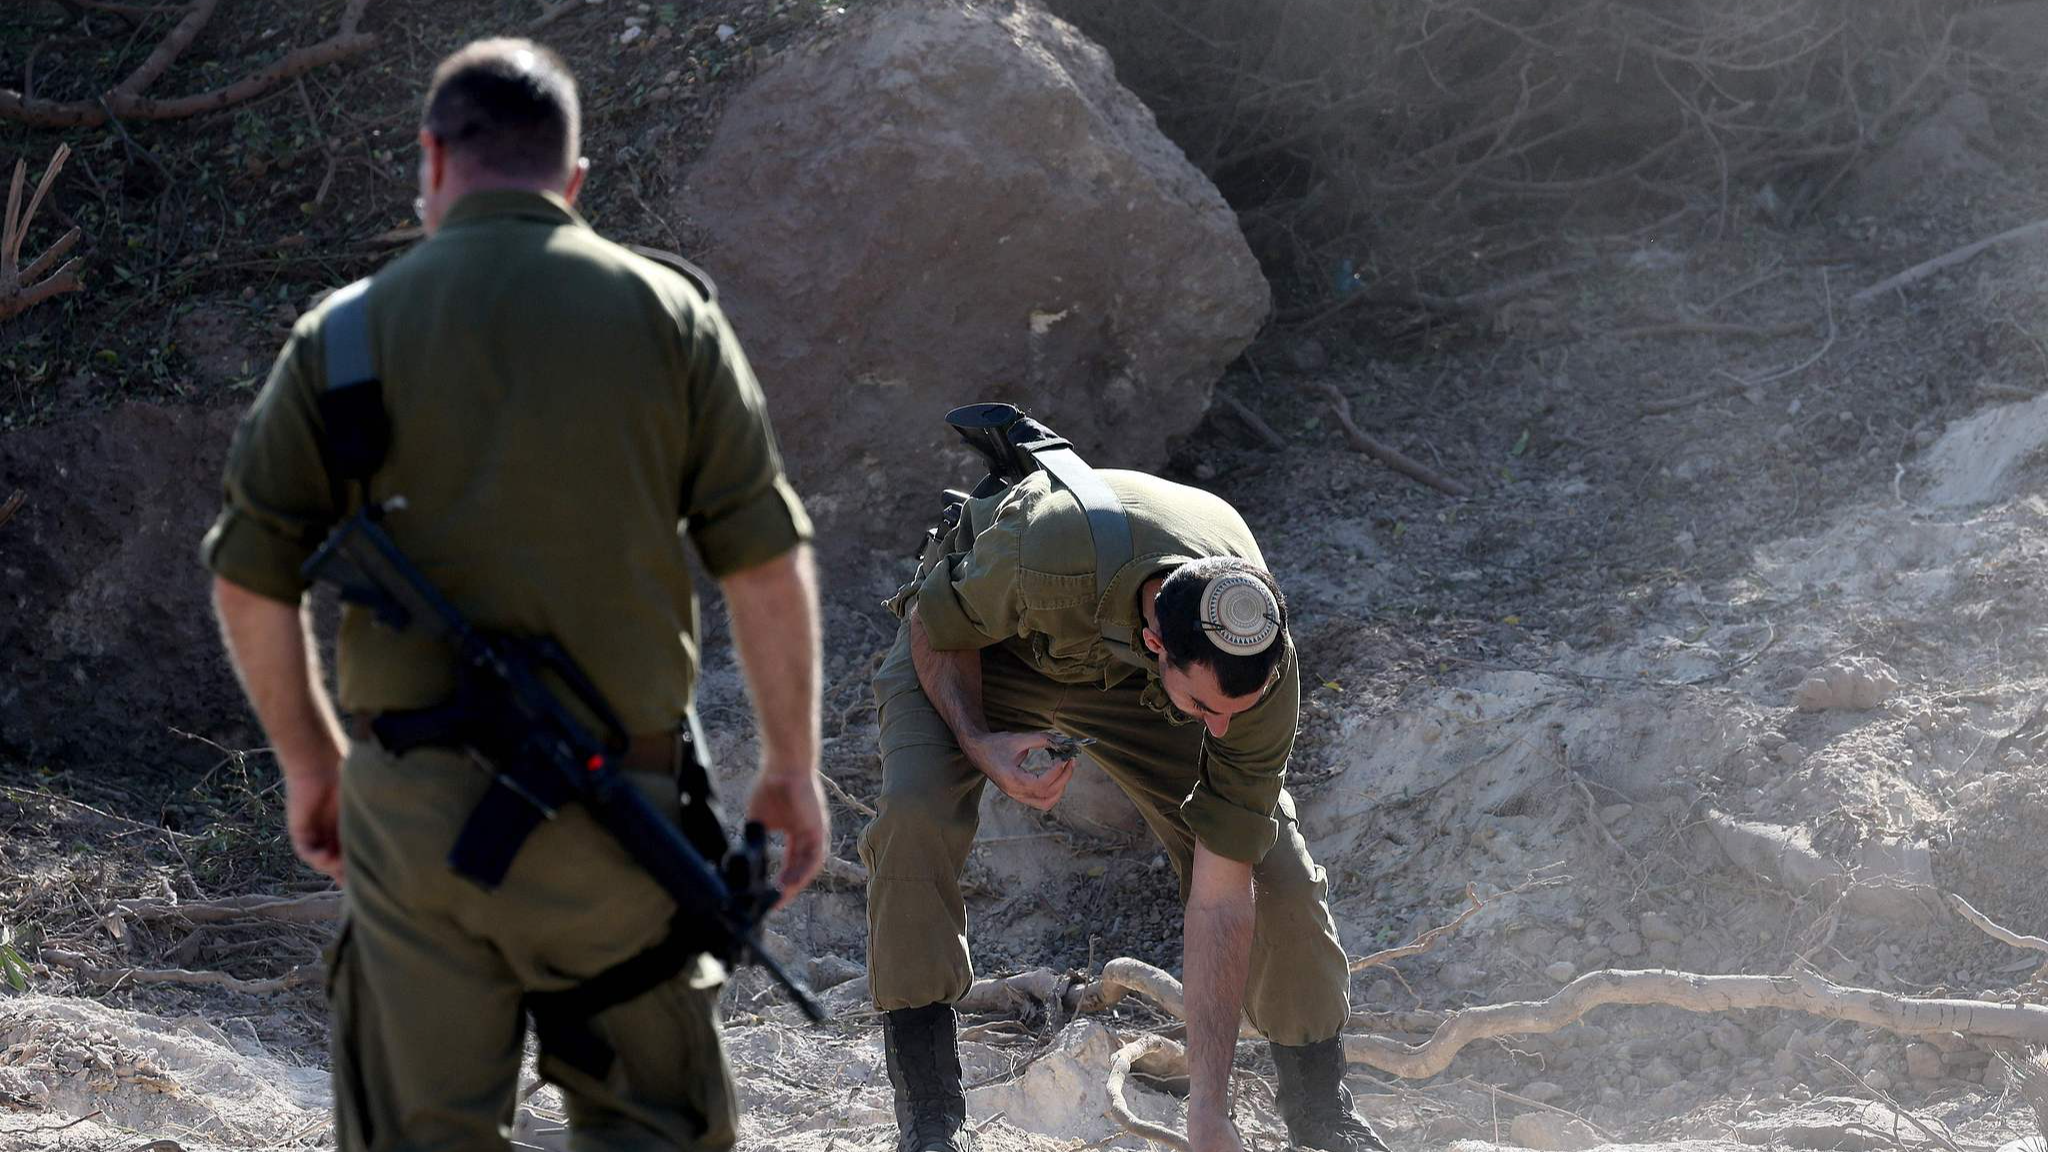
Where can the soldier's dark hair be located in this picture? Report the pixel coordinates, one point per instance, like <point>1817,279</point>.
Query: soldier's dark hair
<point>508,107</point>
<point>1179,610</point>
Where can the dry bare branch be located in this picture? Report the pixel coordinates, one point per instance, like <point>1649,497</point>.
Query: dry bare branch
<point>315,909</point>
<point>126,100</point>
<point>296,978</point>
<point>1803,992</point>
<point>1120,1070</point>
<point>23,288</point>
<point>847,798</point>
<point>167,50</point>
<point>1926,268</point>
<point>1995,930</point>
<point>1393,458</point>
<point>1252,420</point>
<point>1424,942</point>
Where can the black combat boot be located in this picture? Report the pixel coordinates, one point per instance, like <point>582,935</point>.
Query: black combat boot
<point>923,1050</point>
<point>1316,1104</point>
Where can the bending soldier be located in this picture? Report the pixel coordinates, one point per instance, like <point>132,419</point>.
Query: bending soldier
<point>1006,641</point>
<point>553,404</point>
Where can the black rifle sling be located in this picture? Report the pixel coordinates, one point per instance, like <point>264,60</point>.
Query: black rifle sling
<point>356,437</point>
<point>355,431</point>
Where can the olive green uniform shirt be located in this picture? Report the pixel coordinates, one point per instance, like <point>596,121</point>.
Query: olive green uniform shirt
<point>1019,571</point>
<point>560,406</point>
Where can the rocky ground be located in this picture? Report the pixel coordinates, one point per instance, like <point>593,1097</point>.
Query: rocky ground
<point>1730,666</point>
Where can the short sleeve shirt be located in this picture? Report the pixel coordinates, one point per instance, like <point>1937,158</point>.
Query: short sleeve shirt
<point>1020,572</point>
<point>564,414</point>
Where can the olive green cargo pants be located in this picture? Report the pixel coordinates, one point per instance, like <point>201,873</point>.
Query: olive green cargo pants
<point>931,803</point>
<point>425,981</point>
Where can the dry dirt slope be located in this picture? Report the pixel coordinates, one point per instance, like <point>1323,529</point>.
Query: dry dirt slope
<point>1587,672</point>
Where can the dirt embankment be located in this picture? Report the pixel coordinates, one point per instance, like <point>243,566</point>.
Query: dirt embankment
<point>1703,479</point>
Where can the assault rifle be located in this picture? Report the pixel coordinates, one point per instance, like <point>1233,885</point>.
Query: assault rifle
<point>545,757</point>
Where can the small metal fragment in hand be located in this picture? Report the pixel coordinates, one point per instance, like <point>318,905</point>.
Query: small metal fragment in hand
<point>1061,749</point>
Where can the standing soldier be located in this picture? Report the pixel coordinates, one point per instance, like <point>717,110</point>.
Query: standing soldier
<point>553,405</point>
<point>1173,655</point>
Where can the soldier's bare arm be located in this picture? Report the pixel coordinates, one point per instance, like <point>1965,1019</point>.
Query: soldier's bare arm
<point>952,682</point>
<point>1217,957</point>
<point>774,608</point>
<point>269,643</point>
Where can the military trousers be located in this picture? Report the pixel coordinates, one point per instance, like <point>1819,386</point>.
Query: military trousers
<point>925,821</point>
<point>426,979</point>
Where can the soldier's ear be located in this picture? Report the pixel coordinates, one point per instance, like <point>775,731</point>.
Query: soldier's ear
<point>576,175</point>
<point>1153,643</point>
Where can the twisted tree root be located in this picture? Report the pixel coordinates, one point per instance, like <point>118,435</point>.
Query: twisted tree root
<point>1804,992</point>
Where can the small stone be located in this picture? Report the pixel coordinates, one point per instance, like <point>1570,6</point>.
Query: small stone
<point>1381,992</point>
<point>1791,754</point>
<point>1662,1073</point>
<point>1657,927</point>
<point>832,971</point>
<point>1614,813</point>
<point>1460,976</point>
<point>1561,972</point>
<point>1205,471</point>
<point>1664,954</point>
<point>1849,683</point>
<point>1923,1062</point>
<point>1730,1038</point>
<point>1625,944</point>
<point>727,31</point>
<point>1542,1091</point>
<point>631,34</point>
<point>1308,355</point>
<point>1877,1079</point>
<point>1549,1132</point>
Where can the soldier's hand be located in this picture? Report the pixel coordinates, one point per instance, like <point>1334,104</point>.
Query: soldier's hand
<point>793,803</point>
<point>312,810</point>
<point>1000,755</point>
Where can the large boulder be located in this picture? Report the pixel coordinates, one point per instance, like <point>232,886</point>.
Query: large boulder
<point>947,202</point>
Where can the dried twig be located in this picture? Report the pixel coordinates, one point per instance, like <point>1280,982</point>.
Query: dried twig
<point>296,978</point>
<point>1995,930</point>
<point>1483,300</point>
<point>315,909</point>
<point>126,100</point>
<point>554,12</point>
<point>1927,268</point>
<point>846,798</point>
<point>12,505</point>
<point>1251,420</point>
<point>1705,328</point>
<point>1897,1109</point>
<point>24,288</point>
<point>1424,942</point>
<point>1391,457</point>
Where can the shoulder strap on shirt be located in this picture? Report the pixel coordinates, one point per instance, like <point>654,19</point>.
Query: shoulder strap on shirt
<point>1108,523</point>
<point>690,272</point>
<point>994,429</point>
<point>355,429</point>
